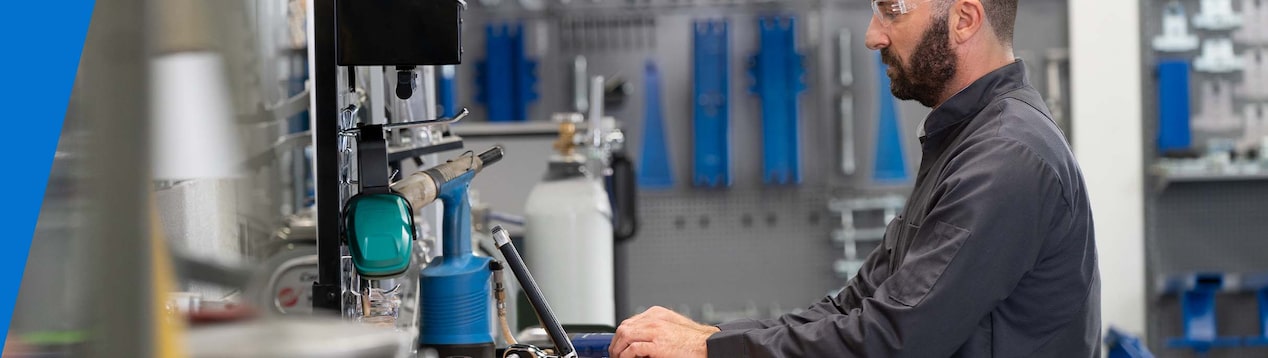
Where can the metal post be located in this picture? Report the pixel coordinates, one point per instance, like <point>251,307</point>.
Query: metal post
<point>326,291</point>
<point>112,90</point>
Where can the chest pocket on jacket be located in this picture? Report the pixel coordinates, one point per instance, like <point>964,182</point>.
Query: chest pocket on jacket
<point>924,264</point>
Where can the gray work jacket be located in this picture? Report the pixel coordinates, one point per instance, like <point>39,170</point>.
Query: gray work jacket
<point>993,256</point>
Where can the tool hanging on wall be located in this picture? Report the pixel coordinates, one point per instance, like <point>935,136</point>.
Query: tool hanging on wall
<point>1216,114</point>
<point>777,79</point>
<point>711,101</point>
<point>1175,30</point>
<point>1198,306</point>
<point>1255,29</point>
<point>447,92</point>
<point>889,165</point>
<point>1254,84</point>
<point>1217,15</point>
<point>654,170</point>
<point>1218,57</point>
<point>847,101</point>
<point>1173,106</point>
<point>507,76</point>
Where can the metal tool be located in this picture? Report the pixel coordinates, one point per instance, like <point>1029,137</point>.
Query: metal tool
<point>846,61</point>
<point>847,101</point>
<point>848,165</point>
<point>580,100</point>
<point>563,346</point>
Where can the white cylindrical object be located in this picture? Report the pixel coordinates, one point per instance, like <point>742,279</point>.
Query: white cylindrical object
<point>568,247</point>
<point>194,129</point>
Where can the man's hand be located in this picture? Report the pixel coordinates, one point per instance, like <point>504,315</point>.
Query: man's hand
<point>660,333</point>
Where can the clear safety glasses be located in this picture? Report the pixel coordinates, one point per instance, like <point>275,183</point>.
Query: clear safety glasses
<point>886,11</point>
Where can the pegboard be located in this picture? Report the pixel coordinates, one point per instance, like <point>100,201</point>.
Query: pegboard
<point>730,249</point>
<point>787,264</point>
<point>1198,226</point>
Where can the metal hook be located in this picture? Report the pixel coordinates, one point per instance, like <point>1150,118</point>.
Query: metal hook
<point>352,132</point>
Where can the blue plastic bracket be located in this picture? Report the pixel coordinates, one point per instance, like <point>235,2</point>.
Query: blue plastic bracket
<point>446,91</point>
<point>507,77</point>
<point>777,73</point>
<point>1198,305</point>
<point>1123,345</point>
<point>1173,106</point>
<point>890,166</point>
<point>712,112</point>
<point>654,169</point>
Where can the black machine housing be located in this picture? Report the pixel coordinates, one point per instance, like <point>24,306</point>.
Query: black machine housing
<point>399,32</point>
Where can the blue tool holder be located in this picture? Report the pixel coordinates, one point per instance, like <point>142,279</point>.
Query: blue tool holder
<point>1198,304</point>
<point>507,76</point>
<point>1123,345</point>
<point>446,91</point>
<point>777,73</point>
<point>889,166</point>
<point>1173,106</point>
<point>711,104</point>
<point>653,168</point>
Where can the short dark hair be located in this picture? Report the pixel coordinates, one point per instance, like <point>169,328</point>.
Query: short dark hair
<point>1003,17</point>
<point>1002,14</point>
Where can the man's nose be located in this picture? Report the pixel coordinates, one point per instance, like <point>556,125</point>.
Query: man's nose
<point>876,38</point>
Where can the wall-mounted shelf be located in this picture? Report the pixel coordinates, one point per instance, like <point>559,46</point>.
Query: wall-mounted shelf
<point>1165,173</point>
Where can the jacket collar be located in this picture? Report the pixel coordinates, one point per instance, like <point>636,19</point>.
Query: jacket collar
<point>971,100</point>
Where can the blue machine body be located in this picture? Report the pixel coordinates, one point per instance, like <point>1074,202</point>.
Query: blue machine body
<point>777,79</point>
<point>456,286</point>
<point>711,125</point>
<point>592,345</point>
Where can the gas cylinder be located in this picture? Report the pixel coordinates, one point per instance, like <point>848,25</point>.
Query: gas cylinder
<point>568,241</point>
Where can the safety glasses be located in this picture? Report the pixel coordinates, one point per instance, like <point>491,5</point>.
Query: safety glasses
<point>887,10</point>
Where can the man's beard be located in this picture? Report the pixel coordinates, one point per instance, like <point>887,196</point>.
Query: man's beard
<point>926,77</point>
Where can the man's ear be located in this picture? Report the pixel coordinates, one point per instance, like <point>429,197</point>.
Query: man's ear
<point>967,18</point>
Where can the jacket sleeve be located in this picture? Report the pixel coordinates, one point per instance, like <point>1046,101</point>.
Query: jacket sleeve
<point>985,230</point>
<point>874,269</point>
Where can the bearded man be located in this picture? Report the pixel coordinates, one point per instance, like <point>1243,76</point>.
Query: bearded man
<point>994,254</point>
